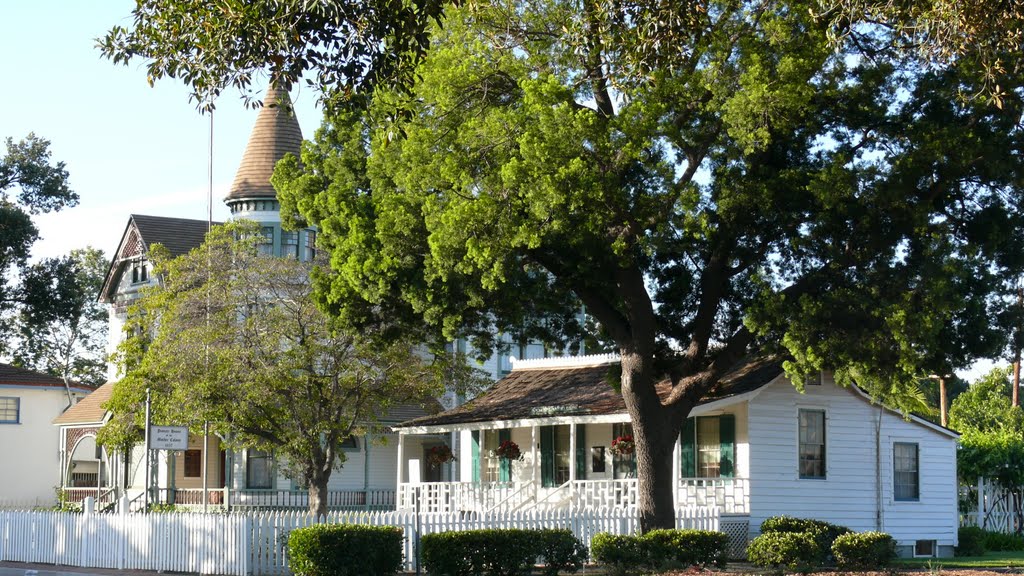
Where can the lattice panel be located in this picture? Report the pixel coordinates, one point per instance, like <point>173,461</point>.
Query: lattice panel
<point>738,533</point>
<point>132,246</point>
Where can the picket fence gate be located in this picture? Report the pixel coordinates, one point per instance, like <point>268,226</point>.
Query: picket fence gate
<point>254,543</point>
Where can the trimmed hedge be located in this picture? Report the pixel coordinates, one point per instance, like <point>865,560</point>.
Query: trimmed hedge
<point>972,541</point>
<point>864,551</point>
<point>345,549</point>
<point>824,533</point>
<point>659,549</point>
<point>1000,542</point>
<point>790,551</point>
<point>509,552</point>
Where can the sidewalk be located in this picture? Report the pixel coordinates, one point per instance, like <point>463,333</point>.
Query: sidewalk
<point>22,569</point>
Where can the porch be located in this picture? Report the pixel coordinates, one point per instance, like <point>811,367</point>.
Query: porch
<point>726,495</point>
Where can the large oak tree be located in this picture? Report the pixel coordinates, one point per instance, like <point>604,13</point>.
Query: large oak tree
<point>709,180</point>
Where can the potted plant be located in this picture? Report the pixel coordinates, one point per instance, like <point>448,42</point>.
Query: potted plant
<point>623,446</point>
<point>509,450</point>
<point>438,455</point>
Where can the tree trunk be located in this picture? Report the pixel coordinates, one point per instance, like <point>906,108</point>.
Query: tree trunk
<point>655,430</point>
<point>318,495</point>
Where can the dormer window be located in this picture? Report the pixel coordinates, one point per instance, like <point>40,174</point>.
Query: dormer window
<point>140,272</point>
<point>290,244</point>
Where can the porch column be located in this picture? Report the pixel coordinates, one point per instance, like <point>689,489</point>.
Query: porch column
<point>401,455</point>
<point>572,453</point>
<point>676,464</point>
<point>535,464</point>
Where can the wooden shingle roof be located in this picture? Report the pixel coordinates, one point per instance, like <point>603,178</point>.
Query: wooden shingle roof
<point>275,134</point>
<point>90,409</point>
<point>580,391</point>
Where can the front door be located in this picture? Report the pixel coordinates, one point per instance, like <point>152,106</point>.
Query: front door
<point>431,472</point>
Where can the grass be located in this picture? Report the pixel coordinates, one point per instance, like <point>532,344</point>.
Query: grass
<point>989,560</point>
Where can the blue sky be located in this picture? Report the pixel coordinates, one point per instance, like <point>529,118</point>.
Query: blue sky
<point>129,148</point>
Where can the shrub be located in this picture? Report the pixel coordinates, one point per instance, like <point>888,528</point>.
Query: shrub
<point>792,551</point>
<point>686,547</point>
<point>972,541</point>
<point>345,549</point>
<point>824,533</point>
<point>864,551</point>
<point>500,552</point>
<point>619,554</point>
<point>1000,542</point>
<point>562,552</point>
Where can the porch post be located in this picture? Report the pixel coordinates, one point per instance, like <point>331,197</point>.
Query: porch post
<point>676,455</point>
<point>401,457</point>
<point>535,464</point>
<point>572,454</point>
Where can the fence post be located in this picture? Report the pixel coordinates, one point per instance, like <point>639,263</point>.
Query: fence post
<point>981,502</point>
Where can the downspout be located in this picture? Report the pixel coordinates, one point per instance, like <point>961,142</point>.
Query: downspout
<point>878,470</point>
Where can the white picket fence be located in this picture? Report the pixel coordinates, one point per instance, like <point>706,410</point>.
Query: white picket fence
<point>992,507</point>
<point>255,543</point>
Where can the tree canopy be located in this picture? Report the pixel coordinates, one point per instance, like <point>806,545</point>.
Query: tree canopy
<point>234,338</point>
<point>710,180</point>
<point>67,335</point>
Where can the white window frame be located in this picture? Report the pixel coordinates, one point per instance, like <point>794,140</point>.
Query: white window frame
<point>812,408</point>
<point>17,410</point>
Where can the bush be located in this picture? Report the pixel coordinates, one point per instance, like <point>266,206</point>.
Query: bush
<point>792,551</point>
<point>562,552</point>
<point>500,552</point>
<point>864,551</point>
<point>999,542</point>
<point>824,533</point>
<point>619,554</point>
<point>345,549</point>
<point>686,548</point>
<point>972,541</point>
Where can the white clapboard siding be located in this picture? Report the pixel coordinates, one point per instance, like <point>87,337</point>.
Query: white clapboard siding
<point>849,495</point>
<point>255,542</point>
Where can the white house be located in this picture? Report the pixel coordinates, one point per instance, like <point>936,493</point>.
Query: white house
<point>29,401</point>
<point>755,447</point>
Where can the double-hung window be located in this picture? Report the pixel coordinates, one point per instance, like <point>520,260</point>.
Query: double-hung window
<point>290,244</point>
<point>812,444</point>
<point>10,410</point>
<point>259,466</point>
<point>708,447</point>
<point>906,479</point>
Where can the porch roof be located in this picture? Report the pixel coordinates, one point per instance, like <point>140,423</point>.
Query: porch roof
<point>88,410</point>
<point>580,391</point>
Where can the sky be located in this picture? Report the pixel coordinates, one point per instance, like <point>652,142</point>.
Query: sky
<point>129,148</point>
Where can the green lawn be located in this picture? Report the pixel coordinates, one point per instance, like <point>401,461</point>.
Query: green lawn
<point>989,560</point>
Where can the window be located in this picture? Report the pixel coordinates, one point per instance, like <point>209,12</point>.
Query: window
<point>10,410</point>
<point>258,467</point>
<point>708,447</point>
<point>924,548</point>
<point>812,444</point>
<point>597,458</point>
<point>267,243</point>
<point>309,245</point>
<point>906,481</point>
<point>562,456</point>
<point>555,458</point>
<point>290,244</point>
<point>139,272</point>
<point>492,465</point>
<point>193,463</point>
<point>350,444</point>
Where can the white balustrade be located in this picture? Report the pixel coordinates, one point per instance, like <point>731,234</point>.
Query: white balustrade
<point>729,495</point>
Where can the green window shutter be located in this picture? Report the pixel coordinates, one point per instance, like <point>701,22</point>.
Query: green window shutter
<point>727,438</point>
<point>475,456</point>
<point>687,454</point>
<point>547,456</point>
<point>581,452</point>
<point>505,468</point>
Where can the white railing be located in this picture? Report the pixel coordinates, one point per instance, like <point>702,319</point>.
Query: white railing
<point>254,542</point>
<point>604,494</point>
<point>992,507</point>
<point>285,499</point>
<point>460,496</point>
<point>729,495</point>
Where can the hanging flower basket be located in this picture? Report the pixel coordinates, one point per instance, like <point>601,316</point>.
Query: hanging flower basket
<point>509,450</point>
<point>438,455</point>
<point>623,446</point>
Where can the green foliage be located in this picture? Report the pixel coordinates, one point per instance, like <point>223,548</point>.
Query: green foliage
<point>502,552</point>
<point>660,549</point>
<point>620,555</point>
<point>824,533</point>
<point>791,551</point>
<point>992,440</point>
<point>1002,542</point>
<point>971,541</point>
<point>345,550</point>
<point>864,550</point>
<point>235,338</point>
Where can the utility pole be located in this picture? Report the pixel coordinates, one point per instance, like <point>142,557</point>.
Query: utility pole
<point>943,398</point>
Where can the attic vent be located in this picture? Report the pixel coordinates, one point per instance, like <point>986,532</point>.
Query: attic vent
<point>132,246</point>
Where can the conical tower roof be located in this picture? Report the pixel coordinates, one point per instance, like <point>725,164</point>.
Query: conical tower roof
<point>276,133</point>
